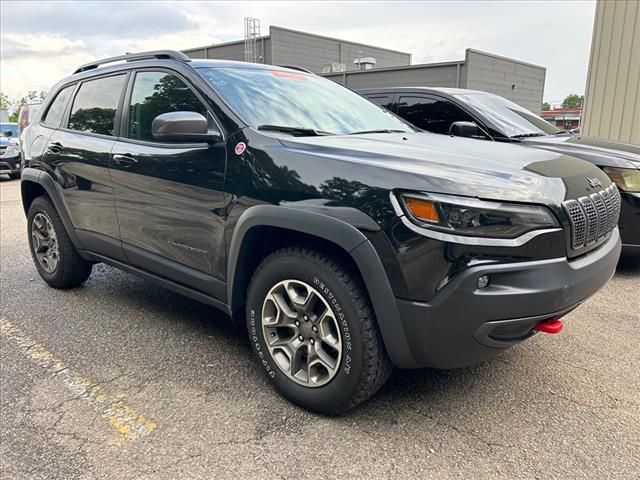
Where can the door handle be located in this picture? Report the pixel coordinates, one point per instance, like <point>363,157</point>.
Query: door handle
<point>55,147</point>
<point>125,160</point>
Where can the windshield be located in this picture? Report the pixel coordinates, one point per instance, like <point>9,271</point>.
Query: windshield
<point>12,127</point>
<point>510,119</point>
<point>265,97</point>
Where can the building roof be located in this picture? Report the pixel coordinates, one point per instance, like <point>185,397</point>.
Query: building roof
<point>274,27</point>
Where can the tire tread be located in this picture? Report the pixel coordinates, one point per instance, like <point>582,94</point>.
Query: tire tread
<point>376,367</point>
<point>74,269</point>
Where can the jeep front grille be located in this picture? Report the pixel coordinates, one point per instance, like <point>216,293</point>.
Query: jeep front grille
<point>593,217</point>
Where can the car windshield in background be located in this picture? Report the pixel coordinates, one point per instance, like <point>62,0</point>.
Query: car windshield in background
<point>511,119</point>
<point>281,98</point>
<point>13,128</point>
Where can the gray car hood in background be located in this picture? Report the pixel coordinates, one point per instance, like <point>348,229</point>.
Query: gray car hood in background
<point>600,152</point>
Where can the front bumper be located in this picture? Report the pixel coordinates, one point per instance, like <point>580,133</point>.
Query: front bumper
<point>9,164</point>
<point>464,324</point>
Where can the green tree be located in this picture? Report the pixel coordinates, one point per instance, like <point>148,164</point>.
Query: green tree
<point>546,106</point>
<point>573,100</point>
<point>32,96</point>
<point>4,101</point>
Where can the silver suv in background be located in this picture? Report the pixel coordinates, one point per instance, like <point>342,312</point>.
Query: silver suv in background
<point>10,156</point>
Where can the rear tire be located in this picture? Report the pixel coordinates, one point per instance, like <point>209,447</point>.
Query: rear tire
<point>54,256</point>
<point>336,352</point>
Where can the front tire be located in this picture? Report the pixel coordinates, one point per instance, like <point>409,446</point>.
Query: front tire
<point>312,327</point>
<point>54,256</point>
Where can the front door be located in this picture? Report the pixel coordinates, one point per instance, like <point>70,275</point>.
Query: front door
<point>169,196</point>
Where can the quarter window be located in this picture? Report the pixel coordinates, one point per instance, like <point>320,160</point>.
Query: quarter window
<point>56,110</point>
<point>384,101</point>
<point>94,108</point>
<point>431,114</point>
<point>155,93</point>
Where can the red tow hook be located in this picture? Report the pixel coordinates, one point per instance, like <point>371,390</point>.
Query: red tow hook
<point>552,325</point>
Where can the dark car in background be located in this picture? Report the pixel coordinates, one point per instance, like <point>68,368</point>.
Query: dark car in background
<point>491,117</point>
<point>10,156</point>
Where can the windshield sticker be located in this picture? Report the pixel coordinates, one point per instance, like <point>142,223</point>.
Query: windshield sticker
<point>292,75</point>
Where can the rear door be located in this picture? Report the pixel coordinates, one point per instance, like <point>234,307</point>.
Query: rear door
<point>169,196</point>
<point>78,154</point>
<point>431,113</point>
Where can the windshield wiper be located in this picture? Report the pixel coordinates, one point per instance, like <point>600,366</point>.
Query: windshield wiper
<point>303,132</point>
<point>381,130</point>
<point>523,135</point>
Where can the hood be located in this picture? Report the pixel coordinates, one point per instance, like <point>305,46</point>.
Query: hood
<point>442,164</point>
<point>600,152</point>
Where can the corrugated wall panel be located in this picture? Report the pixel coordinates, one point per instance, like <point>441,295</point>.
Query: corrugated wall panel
<point>310,51</point>
<point>612,105</point>
<point>491,73</point>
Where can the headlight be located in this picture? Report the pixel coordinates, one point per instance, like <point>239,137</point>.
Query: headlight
<point>473,217</point>
<point>627,179</point>
<point>13,150</point>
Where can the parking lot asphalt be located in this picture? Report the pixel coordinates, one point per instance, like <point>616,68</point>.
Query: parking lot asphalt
<point>120,379</point>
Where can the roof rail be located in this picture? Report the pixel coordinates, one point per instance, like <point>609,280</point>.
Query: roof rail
<point>130,57</point>
<point>295,67</point>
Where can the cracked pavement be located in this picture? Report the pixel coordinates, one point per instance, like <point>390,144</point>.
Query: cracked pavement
<point>564,406</point>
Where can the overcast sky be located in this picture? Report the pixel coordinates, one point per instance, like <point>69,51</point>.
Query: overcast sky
<point>44,41</point>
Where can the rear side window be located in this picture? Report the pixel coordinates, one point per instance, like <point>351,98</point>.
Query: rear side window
<point>431,114</point>
<point>56,110</point>
<point>155,93</point>
<point>94,108</point>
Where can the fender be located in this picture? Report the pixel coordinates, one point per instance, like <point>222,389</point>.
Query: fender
<point>350,239</point>
<point>45,180</point>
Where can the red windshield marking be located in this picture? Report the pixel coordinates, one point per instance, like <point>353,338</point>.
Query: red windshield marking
<point>283,74</point>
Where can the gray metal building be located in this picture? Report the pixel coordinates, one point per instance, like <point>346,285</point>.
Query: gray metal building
<point>612,103</point>
<point>284,46</point>
<point>518,81</point>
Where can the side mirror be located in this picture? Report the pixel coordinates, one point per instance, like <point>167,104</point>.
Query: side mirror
<point>464,129</point>
<point>183,127</point>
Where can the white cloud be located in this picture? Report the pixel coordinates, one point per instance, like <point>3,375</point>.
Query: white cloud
<point>42,42</point>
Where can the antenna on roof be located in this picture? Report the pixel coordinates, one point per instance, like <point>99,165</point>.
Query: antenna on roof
<point>251,34</point>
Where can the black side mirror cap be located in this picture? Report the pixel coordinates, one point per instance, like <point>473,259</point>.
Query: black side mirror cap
<point>184,127</point>
<point>465,129</point>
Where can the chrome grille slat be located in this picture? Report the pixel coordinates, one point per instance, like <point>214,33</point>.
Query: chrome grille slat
<point>601,210</point>
<point>593,217</point>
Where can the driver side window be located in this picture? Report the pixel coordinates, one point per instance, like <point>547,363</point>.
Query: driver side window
<point>432,114</point>
<point>153,94</point>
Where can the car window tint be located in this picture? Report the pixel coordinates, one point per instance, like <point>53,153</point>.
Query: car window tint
<point>155,93</point>
<point>56,110</point>
<point>382,100</point>
<point>431,114</point>
<point>95,105</point>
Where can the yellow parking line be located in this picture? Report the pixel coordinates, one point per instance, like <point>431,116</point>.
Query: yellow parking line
<point>128,423</point>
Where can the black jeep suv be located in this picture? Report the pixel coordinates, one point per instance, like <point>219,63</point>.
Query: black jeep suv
<point>347,241</point>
